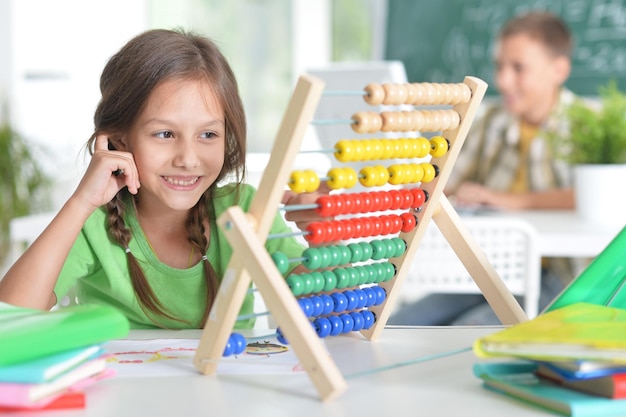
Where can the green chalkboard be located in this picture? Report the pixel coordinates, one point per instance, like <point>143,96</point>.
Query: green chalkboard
<point>444,40</point>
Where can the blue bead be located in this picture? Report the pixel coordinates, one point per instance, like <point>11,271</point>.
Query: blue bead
<point>318,305</point>
<point>239,343</point>
<point>348,322</point>
<point>340,302</point>
<point>368,319</point>
<point>229,349</point>
<point>322,326</point>
<point>362,298</point>
<point>306,305</point>
<point>336,325</point>
<point>328,304</point>
<point>381,294</point>
<point>353,300</point>
<point>280,337</point>
<point>358,321</point>
<point>371,296</point>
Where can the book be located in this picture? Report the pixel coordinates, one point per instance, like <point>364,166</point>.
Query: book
<point>585,369</point>
<point>70,399</point>
<point>24,395</point>
<point>27,334</point>
<point>579,331</point>
<point>518,380</point>
<point>48,367</point>
<point>609,386</point>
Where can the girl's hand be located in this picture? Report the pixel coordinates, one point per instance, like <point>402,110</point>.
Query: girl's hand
<point>107,173</point>
<point>302,218</point>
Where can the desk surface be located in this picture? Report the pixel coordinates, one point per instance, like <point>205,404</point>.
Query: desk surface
<point>561,233</point>
<point>442,386</point>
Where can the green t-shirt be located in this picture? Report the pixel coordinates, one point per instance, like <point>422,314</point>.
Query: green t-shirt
<point>98,268</point>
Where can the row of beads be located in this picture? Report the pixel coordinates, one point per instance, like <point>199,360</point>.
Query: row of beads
<point>236,345</point>
<point>336,325</point>
<point>339,278</point>
<point>358,227</point>
<point>307,181</point>
<point>405,121</point>
<point>338,302</point>
<point>335,255</point>
<point>351,150</point>
<point>367,202</point>
<point>417,94</point>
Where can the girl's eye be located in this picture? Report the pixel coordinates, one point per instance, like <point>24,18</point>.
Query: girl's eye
<point>166,134</point>
<point>209,135</point>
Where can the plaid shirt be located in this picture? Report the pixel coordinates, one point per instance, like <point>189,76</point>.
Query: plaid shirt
<point>491,156</point>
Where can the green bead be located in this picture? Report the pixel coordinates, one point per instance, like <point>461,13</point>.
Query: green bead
<point>330,280</point>
<point>400,246</point>
<point>367,250</point>
<point>357,252</point>
<point>318,281</point>
<point>381,272</point>
<point>294,281</point>
<point>363,274</point>
<point>335,255</point>
<point>325,255</point>
<point>343,278</point>
<point>312,258</point>
<point>372,274</point>
<point>307,281</point>
<point>354,276</point>
<point>281,261</point>
<point>346,255</point>
<point>390,271</point>
<point>390,247</point>
<point>379,250</point>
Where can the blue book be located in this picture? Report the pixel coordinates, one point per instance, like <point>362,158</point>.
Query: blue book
<point>48,367</point>
<point>518,380</point>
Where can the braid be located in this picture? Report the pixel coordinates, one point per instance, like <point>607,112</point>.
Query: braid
<point>118,231</point>
<point>196,234</point>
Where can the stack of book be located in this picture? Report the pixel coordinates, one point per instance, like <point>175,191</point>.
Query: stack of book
<point>47,358</point>
<point>571,360</point>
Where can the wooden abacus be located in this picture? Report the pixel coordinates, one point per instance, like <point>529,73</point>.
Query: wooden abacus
<point>247,232</point>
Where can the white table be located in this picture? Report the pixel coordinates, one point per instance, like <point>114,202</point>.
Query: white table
<point>437,387</point>
<point>561,233</point>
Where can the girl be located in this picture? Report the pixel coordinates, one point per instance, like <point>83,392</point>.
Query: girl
<point>139,232</point>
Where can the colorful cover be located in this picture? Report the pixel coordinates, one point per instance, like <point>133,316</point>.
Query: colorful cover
<point>580,331</point>
<point>518,380</point>
<point>27,334</point>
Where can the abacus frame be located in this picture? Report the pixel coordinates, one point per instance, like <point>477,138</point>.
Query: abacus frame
<point>250,261</point>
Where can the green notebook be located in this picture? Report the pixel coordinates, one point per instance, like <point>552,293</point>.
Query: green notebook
<point>27,334</point>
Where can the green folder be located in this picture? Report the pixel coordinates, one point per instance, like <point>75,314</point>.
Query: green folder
<point>602,282</point>
<point>27,334</point>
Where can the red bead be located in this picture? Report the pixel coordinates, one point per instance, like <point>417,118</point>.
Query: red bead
<point>387,225</point>
<point>386,201</point>
<point>317,232</point>
<point>376,201</point>
<point>326,206</point>
<point>357,206</point>
<point>348,229</point>
<point>339,230</point>
<point>397,223</point>
<point>407,199</point>
<point>368,227</point>
<point>396,199</point>
<point>419,197</point>
<point>348,203</point>
<point>377,226</point>
<point>331,232</point>
<point>367,203</point>
<point>408,221</point>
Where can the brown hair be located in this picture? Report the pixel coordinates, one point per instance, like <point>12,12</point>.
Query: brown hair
<point>126,82</point>
<point>548,28</point>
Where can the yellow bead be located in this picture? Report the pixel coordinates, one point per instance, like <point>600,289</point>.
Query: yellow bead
<point>418,173</point>
<point>351,177</point>
<point>344,151</point>
<point>438,146</point>
<point>359,150</point>
<point>429,172</point>
<point>336,178</point>
<point>368,176</point>
<point>405,148</point>
<point>312,181</point>
<point>388,149</point>
<point>383,175</point>
<point>377,148</point>
<point>396,174</point>
<point>297,181</point>
<point>424,145</point>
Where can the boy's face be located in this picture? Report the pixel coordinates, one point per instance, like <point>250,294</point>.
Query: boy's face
<point>528,76</point>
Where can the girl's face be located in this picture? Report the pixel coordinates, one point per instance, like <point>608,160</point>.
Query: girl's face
<point>178,143</point>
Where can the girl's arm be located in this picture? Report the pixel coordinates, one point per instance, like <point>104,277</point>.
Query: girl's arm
<point>30,281</point>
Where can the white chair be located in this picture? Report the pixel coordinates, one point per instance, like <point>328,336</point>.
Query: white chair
<point>509,244</point>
